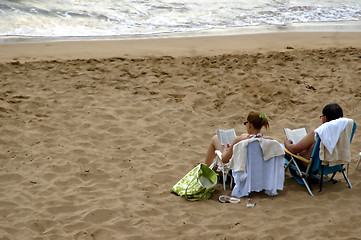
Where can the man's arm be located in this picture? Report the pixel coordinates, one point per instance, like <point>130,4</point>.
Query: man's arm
<point>304,144</point>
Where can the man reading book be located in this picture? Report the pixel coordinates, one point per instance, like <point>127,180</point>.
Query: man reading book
<point>305,146</point>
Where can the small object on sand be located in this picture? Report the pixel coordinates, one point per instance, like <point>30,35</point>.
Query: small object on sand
<point>251,202</point>
<point>310,87</point>
<point>228,199</point>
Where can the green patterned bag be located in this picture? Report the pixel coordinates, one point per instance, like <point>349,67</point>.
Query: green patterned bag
<point>197,184</point>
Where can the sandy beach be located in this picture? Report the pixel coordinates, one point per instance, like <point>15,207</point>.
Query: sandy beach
<point>94,134</point>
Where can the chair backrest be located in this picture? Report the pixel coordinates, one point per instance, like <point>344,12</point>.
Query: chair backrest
<point>266,175</point>
<point>315,156</point>
<point>254,159</point>
<point>259,174</point>
<point>263,171</point>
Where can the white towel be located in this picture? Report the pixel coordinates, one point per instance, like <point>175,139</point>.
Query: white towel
<point>259,174</point>
<point>270,149</point>
<point>329,132</point>
<point>341,152</point>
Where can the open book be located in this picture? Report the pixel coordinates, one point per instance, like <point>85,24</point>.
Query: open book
<point>226,136</point>
<point>295,135</point>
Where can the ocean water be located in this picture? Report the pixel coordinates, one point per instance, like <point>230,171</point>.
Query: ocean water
<point>77,19</point>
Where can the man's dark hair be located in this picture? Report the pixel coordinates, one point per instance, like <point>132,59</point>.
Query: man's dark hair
<point>332,111</point>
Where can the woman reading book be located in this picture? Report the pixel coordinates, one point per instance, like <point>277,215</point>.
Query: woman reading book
<point>254,123</point>
<point>305,146</point>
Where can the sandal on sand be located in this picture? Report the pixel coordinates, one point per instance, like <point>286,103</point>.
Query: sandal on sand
<point>251,202</point>
<point>228,199</point>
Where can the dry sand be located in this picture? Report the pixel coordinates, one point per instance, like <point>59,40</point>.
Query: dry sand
<point>95,134</point>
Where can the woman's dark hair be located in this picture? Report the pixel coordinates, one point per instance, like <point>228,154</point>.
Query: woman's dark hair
<point>332,111</point>
<point>258,119</point>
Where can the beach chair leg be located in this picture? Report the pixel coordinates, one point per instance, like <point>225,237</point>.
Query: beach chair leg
<point>358,162</point>
<point>225,174</point>
<point>224,181</point>
<point>333,175</point>
<point>346,178</point>
<point>321,181</point>
<point>307,187</point>
<point>303,177</point>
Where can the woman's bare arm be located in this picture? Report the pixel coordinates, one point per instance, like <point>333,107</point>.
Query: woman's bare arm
<point>227,154</point>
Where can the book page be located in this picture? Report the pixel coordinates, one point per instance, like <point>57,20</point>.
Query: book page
<point>226,136</point>
<point>295,135</point>
<point>298,134</point>
<point>288,133</point>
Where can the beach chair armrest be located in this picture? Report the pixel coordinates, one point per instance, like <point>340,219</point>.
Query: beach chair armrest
<point>296,156</point>
<point>219,154</point>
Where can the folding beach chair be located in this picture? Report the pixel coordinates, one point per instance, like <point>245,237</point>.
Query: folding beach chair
<point>316,168</point>
<point>219,166</point>
<point>262,172</point>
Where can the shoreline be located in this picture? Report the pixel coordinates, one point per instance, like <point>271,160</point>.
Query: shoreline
<point>344,26</point>
<point>183,46</point>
